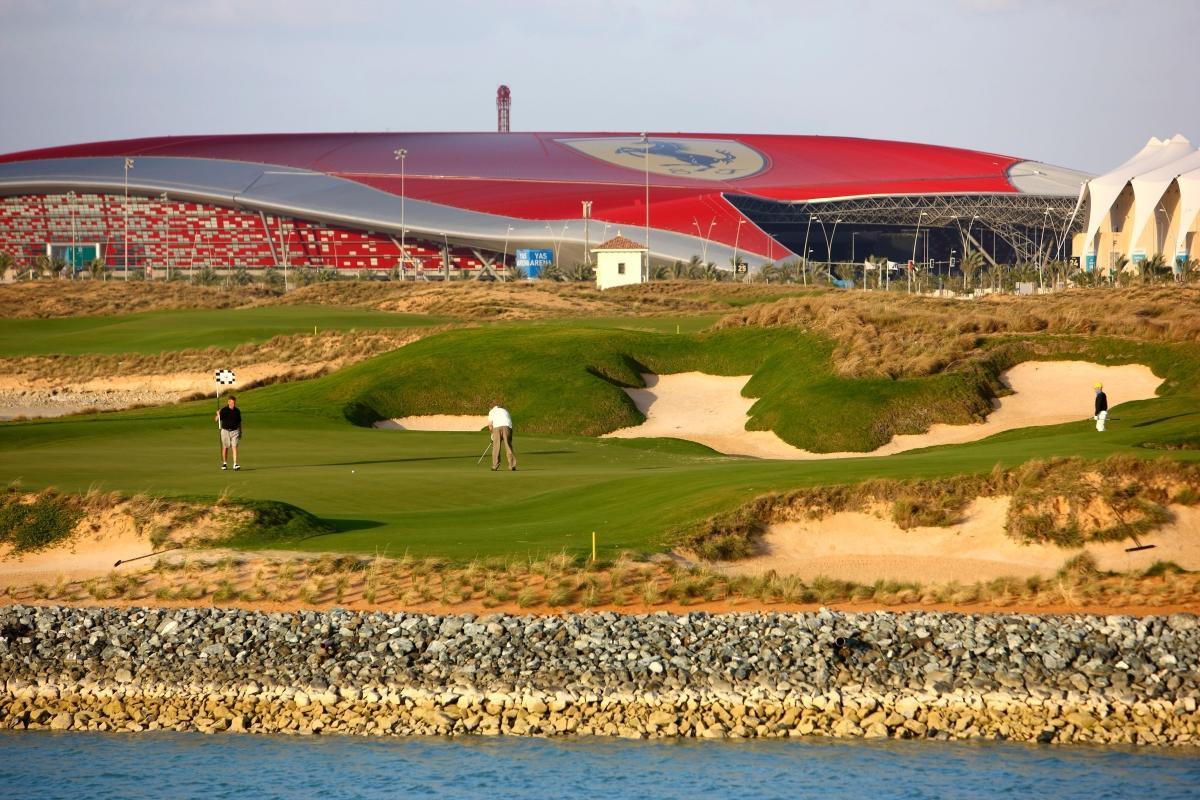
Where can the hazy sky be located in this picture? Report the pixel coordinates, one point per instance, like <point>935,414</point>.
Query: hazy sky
<point>1081,83</point>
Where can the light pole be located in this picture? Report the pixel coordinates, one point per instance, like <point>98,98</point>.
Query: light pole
<point>1040,257</point>
<point>736,236</point>
<point>1166,228</point>
<point>646,165</point>
<point>128,166</point>
<point>400,154</point>
<point>74,244</point>
<point>446,256</point>
<point>587,244</point>
<point>504,258</point>
<point>807,252</point>
<point>704,237</point>
<point>166,233</point>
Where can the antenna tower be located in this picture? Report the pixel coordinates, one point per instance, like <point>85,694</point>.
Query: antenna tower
<point>503,103</point>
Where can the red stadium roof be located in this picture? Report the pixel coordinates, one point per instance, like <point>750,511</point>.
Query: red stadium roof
<point>545,176</point>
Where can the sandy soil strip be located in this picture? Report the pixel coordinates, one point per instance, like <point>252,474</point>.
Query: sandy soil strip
<point>864,548</point>
<point>48,399</point>
<point>436,422</point>
<point>711,410</point>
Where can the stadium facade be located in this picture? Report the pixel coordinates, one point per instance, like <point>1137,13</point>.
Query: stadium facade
<point>433,203</point>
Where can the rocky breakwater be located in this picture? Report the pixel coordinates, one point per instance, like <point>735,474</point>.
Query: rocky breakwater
<point>911,675</point>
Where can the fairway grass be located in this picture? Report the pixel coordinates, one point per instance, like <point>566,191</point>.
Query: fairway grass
<point>399,492</point>
<point>309,443</point>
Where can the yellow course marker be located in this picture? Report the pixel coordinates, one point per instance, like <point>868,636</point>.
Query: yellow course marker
<point>593,545</point>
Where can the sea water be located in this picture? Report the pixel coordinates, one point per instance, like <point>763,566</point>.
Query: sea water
<point>40,764</point>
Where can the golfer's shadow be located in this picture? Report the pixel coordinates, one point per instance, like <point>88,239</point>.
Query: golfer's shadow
<point>1150,422</point>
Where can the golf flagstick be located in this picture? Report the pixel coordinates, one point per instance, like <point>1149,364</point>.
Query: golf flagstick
<point>484,453</point>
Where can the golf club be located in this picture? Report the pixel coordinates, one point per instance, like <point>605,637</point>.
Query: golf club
<point>484,453</point>
<point>147,555</point>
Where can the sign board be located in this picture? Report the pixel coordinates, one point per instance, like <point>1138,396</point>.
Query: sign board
<point>740,269</point>
<point>1090,262</point>
<point>1025,287</point>
<point>1075,262</point>
<point>534,261</point>
<point>1138,256</point>
<point>77,256</point>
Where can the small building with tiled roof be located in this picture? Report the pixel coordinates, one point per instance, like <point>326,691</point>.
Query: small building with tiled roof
<point>619,262</point>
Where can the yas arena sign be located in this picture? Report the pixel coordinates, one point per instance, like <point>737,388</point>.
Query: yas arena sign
<point>703,159</point>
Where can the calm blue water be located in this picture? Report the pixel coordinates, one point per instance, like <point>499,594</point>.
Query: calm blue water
<point>86,765</point>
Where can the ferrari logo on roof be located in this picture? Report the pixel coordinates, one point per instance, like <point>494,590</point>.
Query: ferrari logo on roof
<point>705,159</point>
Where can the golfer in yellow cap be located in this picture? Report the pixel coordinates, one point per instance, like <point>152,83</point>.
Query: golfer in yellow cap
<point>1101,415</point>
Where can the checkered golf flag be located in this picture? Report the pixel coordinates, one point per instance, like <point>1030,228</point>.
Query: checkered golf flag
<point>225,377</point>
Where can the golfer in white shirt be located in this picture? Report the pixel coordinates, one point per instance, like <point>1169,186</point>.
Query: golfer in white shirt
<point>500,423</point>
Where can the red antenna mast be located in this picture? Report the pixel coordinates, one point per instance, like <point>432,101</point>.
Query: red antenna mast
<point>503,103</point>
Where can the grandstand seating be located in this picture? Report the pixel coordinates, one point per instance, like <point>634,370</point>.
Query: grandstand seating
<point>183,235</point>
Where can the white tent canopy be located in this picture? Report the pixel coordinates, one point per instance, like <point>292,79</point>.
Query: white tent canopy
<point>1104,190</point>
<point>1189,206</point>
<point>1148,191</point>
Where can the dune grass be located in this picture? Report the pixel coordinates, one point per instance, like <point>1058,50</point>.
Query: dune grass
<point>167,331</point>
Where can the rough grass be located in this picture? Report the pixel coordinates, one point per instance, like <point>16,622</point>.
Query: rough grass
<point>64,298</point>
<point>563,584</point>
<point>1067,502</point>
<point>35,522</point>
<point>894,335</point>
<point>332,349</point>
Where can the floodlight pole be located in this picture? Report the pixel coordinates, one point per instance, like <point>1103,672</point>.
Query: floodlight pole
<point>128,166</point>
<point>804,269</point>
<point>400,155</point>
<point>736,237</point>
<point>646,165</point>
<point>504,258</point>
<point>74,244</point>
<point>704,237</point>
<point>587,245</point>
<point>912,260</point>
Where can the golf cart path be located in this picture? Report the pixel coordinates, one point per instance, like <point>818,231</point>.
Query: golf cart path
<point>865,547</point>
<point>711,410</point>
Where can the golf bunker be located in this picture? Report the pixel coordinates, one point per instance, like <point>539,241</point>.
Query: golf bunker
<point>711,410</point>
<point>436,422</point>
<point>853,545</point>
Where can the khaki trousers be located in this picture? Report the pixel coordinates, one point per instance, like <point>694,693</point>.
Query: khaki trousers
<point>503,436</point>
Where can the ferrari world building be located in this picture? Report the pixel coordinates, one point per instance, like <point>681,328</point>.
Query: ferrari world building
<point>443,204</point>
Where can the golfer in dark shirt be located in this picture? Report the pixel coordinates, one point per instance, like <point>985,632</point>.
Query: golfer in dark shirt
<point>1101,415</point>
<point>229,419</point>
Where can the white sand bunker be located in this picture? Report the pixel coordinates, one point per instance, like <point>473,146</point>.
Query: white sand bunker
<point>862,547</point>
<point>711,410</point>
<point>436,422</point>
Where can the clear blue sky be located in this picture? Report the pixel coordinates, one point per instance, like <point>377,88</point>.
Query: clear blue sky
<point>1071,82</point>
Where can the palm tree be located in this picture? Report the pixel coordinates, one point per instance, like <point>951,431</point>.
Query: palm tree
<point>1117,269</point>
<point>95,267</point>
<point>770,272</point>
<point>1154,265</point>
<point>1190,268</point>
<point>972,262</point>
<point>711,273</point>
<point>6,262</point>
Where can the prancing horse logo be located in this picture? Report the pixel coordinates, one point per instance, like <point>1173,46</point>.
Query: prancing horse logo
<point>703,159</point>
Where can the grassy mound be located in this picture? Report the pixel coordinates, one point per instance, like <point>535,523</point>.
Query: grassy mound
<point>561,379</point>
<point>894,335</point>
<point>1067,502</point>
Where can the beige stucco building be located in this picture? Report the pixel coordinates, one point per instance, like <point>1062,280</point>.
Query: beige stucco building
<point>619,262</point>
<point>1149,205</point>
